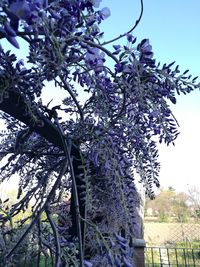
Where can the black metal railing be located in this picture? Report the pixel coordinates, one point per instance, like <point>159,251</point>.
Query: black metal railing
<point>172,257</point>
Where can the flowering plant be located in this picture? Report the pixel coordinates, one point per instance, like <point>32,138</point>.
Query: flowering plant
<point>77,161</point>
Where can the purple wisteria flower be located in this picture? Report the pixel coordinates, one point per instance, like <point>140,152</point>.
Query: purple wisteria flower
<point>105,12</point>
<point>27,10</point>
<point>146,56</point>
<point>118,67</point>
<point>21,10</point>
<point>96,3</point>
<point>95,58</point>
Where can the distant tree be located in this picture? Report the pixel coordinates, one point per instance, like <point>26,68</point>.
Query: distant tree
<point>180,207</point>
<point>168,203</point>
<point>193,193</point>
<point>160,205</point>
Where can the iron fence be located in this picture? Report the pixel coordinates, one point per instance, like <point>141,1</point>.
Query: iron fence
<point>172,257</point>
<point>163,233</point>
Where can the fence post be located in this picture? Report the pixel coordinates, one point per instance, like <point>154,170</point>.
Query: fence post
<point>139,246</point>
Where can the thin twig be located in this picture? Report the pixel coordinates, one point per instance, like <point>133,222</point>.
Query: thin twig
<point>132,29</point>
<point>56,235</point>
<point>67,87</point>
<point>106,51</point>
<point>175,119</point>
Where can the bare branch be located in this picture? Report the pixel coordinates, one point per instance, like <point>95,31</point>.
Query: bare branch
<point>132,29</point>
<point>106,51</point>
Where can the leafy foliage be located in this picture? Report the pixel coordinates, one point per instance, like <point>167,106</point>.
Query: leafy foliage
<point>102,143</point>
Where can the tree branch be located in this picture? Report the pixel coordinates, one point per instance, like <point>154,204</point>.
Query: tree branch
<point>67,87</point>
<point>16,107</point>
<point>132,29</point>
